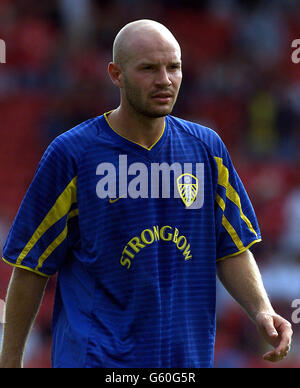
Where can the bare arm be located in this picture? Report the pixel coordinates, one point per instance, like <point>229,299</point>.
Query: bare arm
<point>242,279</point>
<point>24,296</point>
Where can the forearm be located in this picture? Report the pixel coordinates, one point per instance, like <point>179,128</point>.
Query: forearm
<point>23,300</point>
<point>242,279</point>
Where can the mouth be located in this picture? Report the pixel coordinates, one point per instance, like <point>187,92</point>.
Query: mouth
<point>162,97</point>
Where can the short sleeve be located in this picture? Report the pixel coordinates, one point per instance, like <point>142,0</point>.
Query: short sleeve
<point>40,235</point>
<point>236,222</point>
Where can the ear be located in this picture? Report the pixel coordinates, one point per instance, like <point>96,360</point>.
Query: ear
<point>115,73</point>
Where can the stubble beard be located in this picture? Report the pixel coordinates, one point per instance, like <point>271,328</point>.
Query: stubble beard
<point>135,100</point>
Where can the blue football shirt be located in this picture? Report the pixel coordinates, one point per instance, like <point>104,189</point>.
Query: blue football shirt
<point>134,235</point>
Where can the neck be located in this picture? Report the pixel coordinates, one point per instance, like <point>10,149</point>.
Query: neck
<point>136,127</point>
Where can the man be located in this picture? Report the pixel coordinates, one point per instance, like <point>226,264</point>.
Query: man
<point>136,254</point>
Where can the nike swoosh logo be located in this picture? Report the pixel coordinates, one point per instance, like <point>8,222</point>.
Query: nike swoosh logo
<point>114,200</point>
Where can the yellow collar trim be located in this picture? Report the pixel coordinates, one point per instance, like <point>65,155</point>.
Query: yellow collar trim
<point>150,148</point>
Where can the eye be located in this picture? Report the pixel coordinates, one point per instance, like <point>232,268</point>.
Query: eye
<point>175,66</point>
<point>148,67</point>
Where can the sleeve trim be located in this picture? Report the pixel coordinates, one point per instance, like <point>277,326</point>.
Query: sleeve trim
<point>26,268</point>
<point>240,251</point>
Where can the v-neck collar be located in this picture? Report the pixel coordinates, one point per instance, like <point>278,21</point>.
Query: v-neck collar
<point>129,143</point>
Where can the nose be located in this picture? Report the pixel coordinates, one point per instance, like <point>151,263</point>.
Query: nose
<point>163,79</point>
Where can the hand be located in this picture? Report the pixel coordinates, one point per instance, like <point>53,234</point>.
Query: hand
<point>277,332</point>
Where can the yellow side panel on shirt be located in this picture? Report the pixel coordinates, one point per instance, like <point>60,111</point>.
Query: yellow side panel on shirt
<point>57,241</point>
<point>231,194</point>
<point>58,211</point>
<point>230,229</point>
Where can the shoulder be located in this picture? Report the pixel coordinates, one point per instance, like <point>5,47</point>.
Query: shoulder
<point>198,132</point>
<point>74,142</point>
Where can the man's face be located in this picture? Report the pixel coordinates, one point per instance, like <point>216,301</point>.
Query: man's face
<point>152,80</point>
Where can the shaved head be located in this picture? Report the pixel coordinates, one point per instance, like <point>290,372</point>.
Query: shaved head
<point>141,35</point>
<point>147,68</point>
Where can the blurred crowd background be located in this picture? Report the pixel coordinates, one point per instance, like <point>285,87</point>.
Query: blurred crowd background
<point>239,79</point>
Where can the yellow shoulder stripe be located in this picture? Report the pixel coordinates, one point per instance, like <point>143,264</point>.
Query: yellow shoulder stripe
<point>227,225</point>
<point>237,241</point>
<point>58,211</point>
<point>230,229</point>
<point>220,202</point>
<point>231,194</point>
<point>56,242</point>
